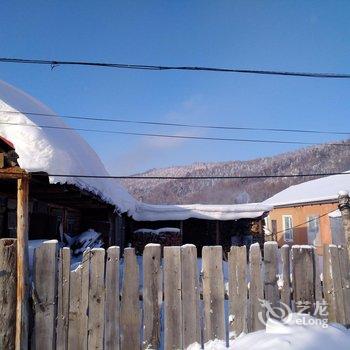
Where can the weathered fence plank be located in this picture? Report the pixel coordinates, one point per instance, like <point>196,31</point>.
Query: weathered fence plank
<point>152,296</point>
<point>74,315</point>
<point>333,284</point>
<point>45,294</point>
<point>96,313</point>
<point>130,316</point>
<point>172,298</point>
<point>256,290</point>
<point>345,274</point>
<point>84,301</point>
<point>237,260</point>
<point>78,305</point>
<point>303,278</point>
<point>63,299</point>
<point>213,294</point>
<point>8,279</point>
<point>286,288</point>
<point>112,309</point>
<point>270,273</point>
<point>190,296</point>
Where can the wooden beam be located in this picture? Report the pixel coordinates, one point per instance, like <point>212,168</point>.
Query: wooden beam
<point>22,264</point>
<point>12,173</point>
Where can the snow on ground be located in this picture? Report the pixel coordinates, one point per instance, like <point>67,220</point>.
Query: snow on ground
<point>290,336</point>
<point>55,151</point>
<point>325,188</point>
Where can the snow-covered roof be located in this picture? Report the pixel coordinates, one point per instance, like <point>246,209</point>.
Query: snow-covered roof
<point>55,151</point>
<point>319,190</point>
<point>150,212</point>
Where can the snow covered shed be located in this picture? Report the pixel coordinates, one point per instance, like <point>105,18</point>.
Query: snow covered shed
<point>57,203</point>
<point>307,213</point>
<point>199,224</point>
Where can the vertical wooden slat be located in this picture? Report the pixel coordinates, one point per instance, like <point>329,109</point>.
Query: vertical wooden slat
<point>78,305</point>
<point>172,298</point>
<point>237,260</point>
<point>45,295</point>
<point>7,293</point>
<point>345,275</point>
<point>256,290</point>
<point>190,296</point>
<point>96,312</point>
<point>63,299</point>
<point>318,285</point>
<point>270,273</point>
<point>333,284</point>
<point>213,293</point>
<point>22,264</point>
<point>286,288</point>
<point>74,319</point>
<point>84,299</point>
<point>152,296</point>
<point>303,278</point>
<point>112,331</point>
<point>130,316</point>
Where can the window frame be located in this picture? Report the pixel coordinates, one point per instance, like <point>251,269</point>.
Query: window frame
<point>309,220</point>
<point>290,229</point>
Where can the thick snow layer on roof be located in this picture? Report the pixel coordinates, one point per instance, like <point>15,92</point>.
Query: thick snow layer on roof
<point>150,212</point>
<point>55,151</point>
<point>323,189</point>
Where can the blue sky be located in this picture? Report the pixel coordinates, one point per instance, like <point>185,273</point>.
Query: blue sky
<point>280,35</point>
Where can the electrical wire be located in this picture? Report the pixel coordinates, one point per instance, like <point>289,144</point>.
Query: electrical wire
<point>186,137</point>
<point>184,125</point>
<point>231,177</point>
<point>56,63</point>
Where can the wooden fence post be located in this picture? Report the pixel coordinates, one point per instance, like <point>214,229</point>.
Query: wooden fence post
<point>130,315</point>
<point>237,260</point>
<point>332,281</point>
<point>63,299</point>
<point>256,289</point>
<point>22,264</point>
<point>7,293</point>
<point>270,273</point>
<point>213,294</point>
<point>304,278</point>
<point>45,295</point>
<point>344,207</point>
<point>190,296</point>
<point>112,328</point>
<point>152,296</point>
<point>286,288</point>
<point>172,298</point>
<point>96,315</point>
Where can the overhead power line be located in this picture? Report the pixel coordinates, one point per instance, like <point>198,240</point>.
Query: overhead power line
<point>184,125</point>
<point>230,177</point>
<point>305,222</point>
<point>185,137</point>
<point>55,63</point>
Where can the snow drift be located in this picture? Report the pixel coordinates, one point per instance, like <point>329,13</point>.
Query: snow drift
<point>290,336</point>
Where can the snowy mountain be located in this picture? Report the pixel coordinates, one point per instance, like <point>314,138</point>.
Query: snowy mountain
<point>317,159</point>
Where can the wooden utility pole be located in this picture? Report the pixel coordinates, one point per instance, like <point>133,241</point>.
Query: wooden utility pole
<point>344,207</point>
<point>22,264</point>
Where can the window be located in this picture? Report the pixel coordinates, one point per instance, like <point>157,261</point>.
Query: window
<point>288,227</point>
<point>313,230</point>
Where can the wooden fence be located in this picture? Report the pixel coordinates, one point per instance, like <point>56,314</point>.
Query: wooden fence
<point>100,305</point>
